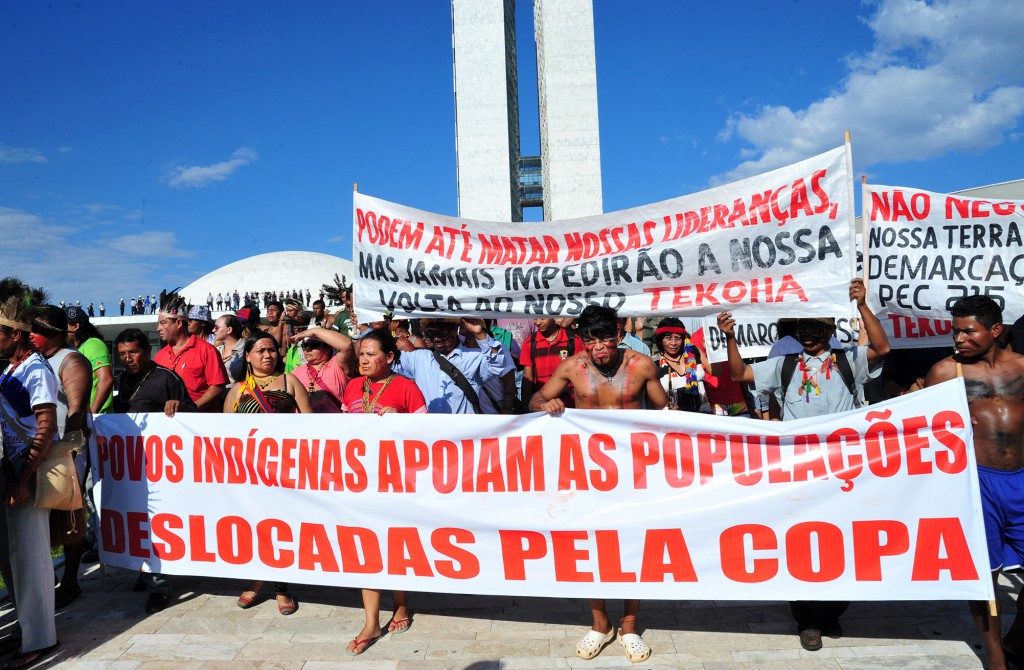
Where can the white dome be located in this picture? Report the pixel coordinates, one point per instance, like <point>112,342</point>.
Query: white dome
<point>278,271</point>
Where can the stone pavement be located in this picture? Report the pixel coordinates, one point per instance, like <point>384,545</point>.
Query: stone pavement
<point>203,629</point>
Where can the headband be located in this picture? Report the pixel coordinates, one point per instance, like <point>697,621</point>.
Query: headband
<point>39,323</point>
<point>674,330</point>
<point>17,325</point>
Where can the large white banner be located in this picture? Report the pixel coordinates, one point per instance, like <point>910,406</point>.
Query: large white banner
<point>876,504</point>
<point>926,250</point>
<point>776,244</point>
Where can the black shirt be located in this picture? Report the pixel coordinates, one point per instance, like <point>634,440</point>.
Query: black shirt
<point>151,391</point>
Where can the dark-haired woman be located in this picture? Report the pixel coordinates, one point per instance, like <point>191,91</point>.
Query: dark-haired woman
<point>381,391</point>
<point>227,333</point>
<point>327,369</point>
<point>266,390</point>
<point>678,365</point>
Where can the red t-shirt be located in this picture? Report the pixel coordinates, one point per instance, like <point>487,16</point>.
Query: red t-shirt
<point>548,356</point>
<point>401,394</point>
<point>199,365</point>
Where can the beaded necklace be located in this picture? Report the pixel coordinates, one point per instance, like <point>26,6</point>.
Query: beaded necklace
<point>314,376</point>
<point>809,380</point>
<point>368,406</point>
<point>263,385</point>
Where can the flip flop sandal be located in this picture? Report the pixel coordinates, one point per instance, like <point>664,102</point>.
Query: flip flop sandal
<point>637,651</point>
<point>397,622</point>
<point>28,659</point>
<point>365,644</point>
<point>591,644</point>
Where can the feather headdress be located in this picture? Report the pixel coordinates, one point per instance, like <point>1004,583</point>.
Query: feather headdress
<point>173,304</point>
<point>335,291</point>
<point>18,303</point>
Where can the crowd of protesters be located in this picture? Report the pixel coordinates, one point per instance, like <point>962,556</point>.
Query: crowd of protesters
<point>299,356</point>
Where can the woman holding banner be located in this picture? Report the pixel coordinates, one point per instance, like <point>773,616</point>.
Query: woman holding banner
<point>381,391</point>
<point>266,390</point>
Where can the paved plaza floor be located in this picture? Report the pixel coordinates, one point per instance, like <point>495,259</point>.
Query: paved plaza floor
<point>106,628</point>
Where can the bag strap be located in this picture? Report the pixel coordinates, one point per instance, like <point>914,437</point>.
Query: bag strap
<point>845,371</point>
<point>788,366</point>
<point>460,380</point>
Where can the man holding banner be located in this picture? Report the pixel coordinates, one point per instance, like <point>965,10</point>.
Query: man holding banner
<point>815,382</point>
<point>994,379</point>
<point>605,376</point>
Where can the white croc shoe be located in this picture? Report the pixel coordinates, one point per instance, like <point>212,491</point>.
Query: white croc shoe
<point>591,644</point>
<point>637,651</point>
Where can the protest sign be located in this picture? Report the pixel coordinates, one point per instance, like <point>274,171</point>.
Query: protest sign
<point>926,250</point>
<point>776,244</point>
<point>879,503</point>
<point>755,337</point>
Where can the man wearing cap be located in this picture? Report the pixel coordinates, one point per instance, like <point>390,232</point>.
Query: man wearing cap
<point>471,368</point>
<point>195,360</point>
<point>83,336</point>
<point>815,388</point>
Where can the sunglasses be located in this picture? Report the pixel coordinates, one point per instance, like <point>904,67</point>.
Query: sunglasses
<point>312,345</point>
<point>437,334</point>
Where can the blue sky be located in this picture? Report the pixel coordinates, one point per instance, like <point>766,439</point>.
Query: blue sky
<point>144,144</point>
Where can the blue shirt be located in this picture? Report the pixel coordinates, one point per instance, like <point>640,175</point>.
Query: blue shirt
<point>631,341</point>
<point>439,390</point>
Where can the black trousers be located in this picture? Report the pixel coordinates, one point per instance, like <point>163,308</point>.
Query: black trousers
<point>815,613</point>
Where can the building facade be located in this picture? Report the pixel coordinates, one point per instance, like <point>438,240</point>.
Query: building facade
<point>495,182</point>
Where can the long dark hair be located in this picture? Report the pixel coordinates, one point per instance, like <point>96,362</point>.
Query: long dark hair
<point>250,344</point>
<point>388,344</point>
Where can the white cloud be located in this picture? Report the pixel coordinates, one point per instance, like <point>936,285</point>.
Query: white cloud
<point>942,76</point>
<point>12,155</point>
<point>65,150</point>
<point>203,175</point>
<point>154,243</point>
<point>87,267</point>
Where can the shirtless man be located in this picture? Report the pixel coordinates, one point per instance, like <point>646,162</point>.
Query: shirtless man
<point>994,378</point>
<point>605,377</point>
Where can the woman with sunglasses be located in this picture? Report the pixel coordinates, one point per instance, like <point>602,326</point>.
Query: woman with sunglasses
<point>328,367</point>
<point>266,390</point>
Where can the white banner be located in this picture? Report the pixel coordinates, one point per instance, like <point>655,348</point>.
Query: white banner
<point>926,250</point>
<point>876,504</point>
<point>777,244</point>
<point>756,337</point>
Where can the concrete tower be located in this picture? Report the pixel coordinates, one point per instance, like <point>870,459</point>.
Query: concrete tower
<point>495,182</point>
